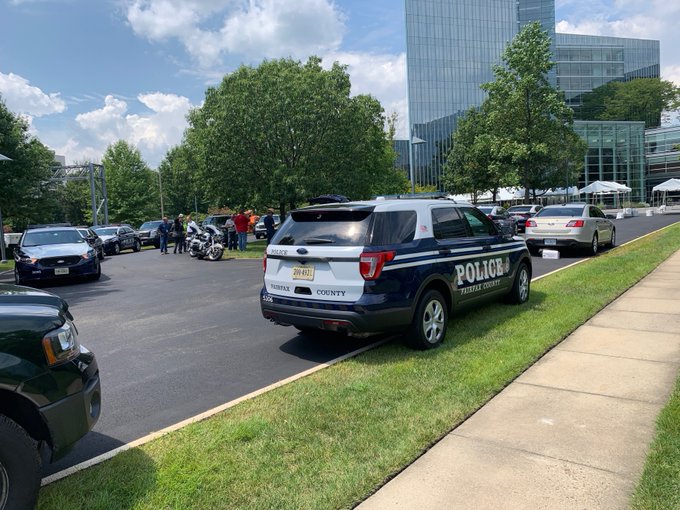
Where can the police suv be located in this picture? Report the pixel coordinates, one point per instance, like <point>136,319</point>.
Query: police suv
<point>389,265</point>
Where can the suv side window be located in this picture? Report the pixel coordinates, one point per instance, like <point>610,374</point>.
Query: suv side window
<point>479,224</point>
<point>394,227</point>
<point>447,223</point>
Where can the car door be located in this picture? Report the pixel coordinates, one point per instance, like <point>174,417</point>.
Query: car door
<point>604,225</point>
<point>125,236</point>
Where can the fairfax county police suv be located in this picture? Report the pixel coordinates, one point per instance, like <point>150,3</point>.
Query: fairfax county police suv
<point>389,265</point>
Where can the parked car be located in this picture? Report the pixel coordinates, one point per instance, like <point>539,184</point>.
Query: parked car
<point>148,233</point>
<point>259,229</point>
<point>50,392</point>
<point>53,253</point>
<point>499,215</point>
<point>93,240</point>
<point>522,213</point>
<point>575,225</point>
<point>389,265</point>
<point>117,238</point>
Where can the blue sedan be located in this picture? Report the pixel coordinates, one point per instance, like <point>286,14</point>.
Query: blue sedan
<point>54,252</point>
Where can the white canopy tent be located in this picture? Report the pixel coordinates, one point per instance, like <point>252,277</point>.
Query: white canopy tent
<point>664,188</point>
<point>605,188</point>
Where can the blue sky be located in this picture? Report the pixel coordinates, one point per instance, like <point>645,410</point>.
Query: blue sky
<point>88,72</point>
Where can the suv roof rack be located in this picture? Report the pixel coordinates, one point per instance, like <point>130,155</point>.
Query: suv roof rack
<point>431,195</point>
<point>48,225</point>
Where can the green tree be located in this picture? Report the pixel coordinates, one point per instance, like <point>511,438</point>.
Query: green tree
<point>182,188</point>
<point>132,187</point>
<point>641,99</point>
<point>473,164</point>
<point>22,189</point>
<point>527,118</point>
<point>285,131</point>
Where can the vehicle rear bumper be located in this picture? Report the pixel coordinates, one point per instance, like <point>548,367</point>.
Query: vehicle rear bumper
<point>533,242</point>
<point>332,316</point>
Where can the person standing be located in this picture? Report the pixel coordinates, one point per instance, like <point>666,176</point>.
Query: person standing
<point>178,229</point>
<point>230,227</point>
<point>269,225</point>
<point>241,223</point>
<point>164,230</point>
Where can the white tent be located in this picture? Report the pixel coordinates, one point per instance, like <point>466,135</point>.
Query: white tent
<point>605,188</point>
<point>664,188</point>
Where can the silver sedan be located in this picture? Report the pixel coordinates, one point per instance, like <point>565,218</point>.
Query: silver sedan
<point>570,226</point>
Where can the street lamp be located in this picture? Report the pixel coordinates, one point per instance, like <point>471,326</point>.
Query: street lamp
<point>413,141</point>
<point>3,257</point>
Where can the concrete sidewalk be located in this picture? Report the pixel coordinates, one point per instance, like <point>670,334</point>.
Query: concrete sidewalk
<point>572,431</point>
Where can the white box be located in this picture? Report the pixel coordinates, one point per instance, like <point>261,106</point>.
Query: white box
<point>550,254</point>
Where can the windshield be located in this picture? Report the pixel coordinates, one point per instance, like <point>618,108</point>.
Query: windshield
<point>110,231</point>
<point>520,208</point>
<point>83,232</point>
<point>560,212</point>
<point>150,224</point>
<point>52,237</point>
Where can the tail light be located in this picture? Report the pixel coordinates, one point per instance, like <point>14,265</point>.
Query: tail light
<point>575,223</point>
<point>531,223</point>
<point>371,263</point>
<point>264,263</point>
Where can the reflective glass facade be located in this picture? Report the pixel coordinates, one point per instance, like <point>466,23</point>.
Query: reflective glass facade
<point>451,48</point>
<point>663,159</point>
<point>615,153</point>
<point>585,62</point>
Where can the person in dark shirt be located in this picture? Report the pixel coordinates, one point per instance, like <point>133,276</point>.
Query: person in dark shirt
<point>164,230</point>
<point>269,225</point>
<point>178,230</point>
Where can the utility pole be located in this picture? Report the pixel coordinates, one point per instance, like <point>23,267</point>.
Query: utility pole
<point>160,187</point>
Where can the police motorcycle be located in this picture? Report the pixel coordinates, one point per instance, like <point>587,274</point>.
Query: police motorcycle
<point>207,244</point>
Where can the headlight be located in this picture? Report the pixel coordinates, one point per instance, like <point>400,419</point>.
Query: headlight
<point>153,233</point>
<point>25,259</point>
<point>88,255</point>
<point>61,345</point>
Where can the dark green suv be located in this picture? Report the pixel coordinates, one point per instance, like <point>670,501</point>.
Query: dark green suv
<point>50,393</point>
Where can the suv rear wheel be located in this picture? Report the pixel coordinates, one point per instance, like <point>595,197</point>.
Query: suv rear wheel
<point>19,467</point>
<point>428,328</point>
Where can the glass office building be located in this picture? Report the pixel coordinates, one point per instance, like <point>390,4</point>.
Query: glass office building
<point>615,153</point>
<point>585,62</point>
<point>662,151</point>
<point>451,49</point>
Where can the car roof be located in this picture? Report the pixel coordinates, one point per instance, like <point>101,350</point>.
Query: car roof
<point>52,229</point>
<point>570,204</point>
<point>386,204</point>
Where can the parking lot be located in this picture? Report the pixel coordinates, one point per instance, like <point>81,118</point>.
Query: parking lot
<point>175,336</point>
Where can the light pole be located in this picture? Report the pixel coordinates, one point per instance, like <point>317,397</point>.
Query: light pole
<point>414,140</point>
<point>3,257</point>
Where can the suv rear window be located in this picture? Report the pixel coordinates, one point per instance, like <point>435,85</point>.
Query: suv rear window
<point>319,227</point>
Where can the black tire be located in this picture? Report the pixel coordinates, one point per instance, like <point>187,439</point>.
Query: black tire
<point>157,245</point>
<point>612,241</point>
<point>137,246</point>
<point>430,321</point>
<point>19,467</point>
<point>17,278</point>
<point>116,249</point>
<point>594,245</point>
<point>100,255</point>
<point>98,274</point>
<point>521,286</point>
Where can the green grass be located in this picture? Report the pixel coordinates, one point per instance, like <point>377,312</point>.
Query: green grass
<point>254,250</point>
<point>659,487</point>
<point>7,266</point>
<point>330,439</point>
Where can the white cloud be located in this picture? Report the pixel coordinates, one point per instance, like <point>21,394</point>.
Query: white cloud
<point>22,97</point>
<point>256,29</point>
<point>153,131</point>
<point>381,75</point>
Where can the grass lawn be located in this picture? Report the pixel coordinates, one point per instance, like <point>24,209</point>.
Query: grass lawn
<point>7,266</point>
<point>659,487</point>
<point>330,439</point>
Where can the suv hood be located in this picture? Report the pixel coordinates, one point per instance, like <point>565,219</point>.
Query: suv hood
<point>16,295</point>
<point>55,250</point>
<point>26,309</point>
<point>106,238</point>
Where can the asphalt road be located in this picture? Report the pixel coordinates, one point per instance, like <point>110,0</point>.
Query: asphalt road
<point>175,336</point>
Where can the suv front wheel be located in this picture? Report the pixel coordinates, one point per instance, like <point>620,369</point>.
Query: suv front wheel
<point>19,467</point>
<point>428,328</point>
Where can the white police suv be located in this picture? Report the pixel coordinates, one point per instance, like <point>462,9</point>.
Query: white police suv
<point>389,265</point>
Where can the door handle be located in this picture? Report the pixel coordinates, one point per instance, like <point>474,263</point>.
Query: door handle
<point>444,251</point>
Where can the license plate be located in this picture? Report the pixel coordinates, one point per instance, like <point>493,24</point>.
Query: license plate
<point>61,270</point>
<point>303,273</point>
<point>551,242</point>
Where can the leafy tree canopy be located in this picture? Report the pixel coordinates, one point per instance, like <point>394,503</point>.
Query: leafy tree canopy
<point>22,180</point>
<point>641,99</point>
<point>286,131</point>
<point>132,187</point>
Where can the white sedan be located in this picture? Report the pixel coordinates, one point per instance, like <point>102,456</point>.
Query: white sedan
<point>570,226</point>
